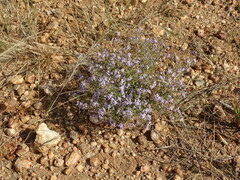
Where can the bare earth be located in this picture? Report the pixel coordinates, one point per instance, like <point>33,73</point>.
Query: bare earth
<point>41,46</point>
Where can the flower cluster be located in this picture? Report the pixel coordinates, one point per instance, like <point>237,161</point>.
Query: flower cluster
<point>128,83</point>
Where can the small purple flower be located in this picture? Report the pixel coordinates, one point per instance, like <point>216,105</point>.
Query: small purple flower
<point>183,94</point>
<point>148,110</point>
<point>121,125</point>
<point>122,88</point>
<point>153,85</point>
<point>95,96</point>
<point>138,71</point>
<point>82,86</point>
<point>101,112</point>
<point>157,98</point>
<point>137,102</point>
<point>128,113</point>
<point>113,102</point>
<point>82,105</point>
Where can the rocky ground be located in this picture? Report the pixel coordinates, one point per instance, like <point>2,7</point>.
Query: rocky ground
<point>44,137</point>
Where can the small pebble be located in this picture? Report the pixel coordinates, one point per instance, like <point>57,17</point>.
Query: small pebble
<point>43,160</point>
<point>145,168</point>
<point>200,32</point>
<point>72,158</point>
<point>22,150</point>
<point>154,136</point>
<point>17,80</point>
<point>218,110</point>
<point>30,78</point>
<point>10,132</point>
<point>94,161</point>
<point>120,132</point>
<point>22,164</point>
<point>80,168</point>
<point>67,171</point>
<point>58,162</point>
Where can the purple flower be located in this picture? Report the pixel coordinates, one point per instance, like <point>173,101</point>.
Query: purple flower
<point>95,96</point>
<point>103,80</point>
<point>113,102</point>
<point>153,85</point>
<point>82,86</point>
<point>128,113</point>
<point>121,126</point>
<point>101,112</point>
<point>137,102</point>
<point>148,110</point>
<point>82,105</point>
<point>157,98</point>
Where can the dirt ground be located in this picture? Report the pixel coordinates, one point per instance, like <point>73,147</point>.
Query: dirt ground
<point>41,46</point>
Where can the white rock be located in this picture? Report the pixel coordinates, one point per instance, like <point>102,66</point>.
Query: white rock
<point>199,82</point>
<point>46,138</point>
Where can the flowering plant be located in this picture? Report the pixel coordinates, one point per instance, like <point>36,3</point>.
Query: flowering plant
<point>129,82</point>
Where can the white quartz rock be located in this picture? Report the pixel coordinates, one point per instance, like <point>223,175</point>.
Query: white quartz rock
<point>46,138</point>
